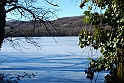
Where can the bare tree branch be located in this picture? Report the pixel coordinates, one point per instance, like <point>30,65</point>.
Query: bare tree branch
<point>17,7</point>
<point>51,3</point>
<point>34,15</point>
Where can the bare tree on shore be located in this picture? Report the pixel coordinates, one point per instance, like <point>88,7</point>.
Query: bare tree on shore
<point>25,9</point>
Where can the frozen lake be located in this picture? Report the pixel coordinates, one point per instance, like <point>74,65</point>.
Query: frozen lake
<point>57,62</point>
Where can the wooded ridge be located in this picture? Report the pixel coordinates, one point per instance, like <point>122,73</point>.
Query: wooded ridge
<point>66,26</point>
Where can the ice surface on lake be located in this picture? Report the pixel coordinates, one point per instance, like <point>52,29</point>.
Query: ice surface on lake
<point>59,61</point>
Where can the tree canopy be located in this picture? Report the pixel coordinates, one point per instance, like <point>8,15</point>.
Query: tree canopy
<point>25,10</point>
<point>108,36</point>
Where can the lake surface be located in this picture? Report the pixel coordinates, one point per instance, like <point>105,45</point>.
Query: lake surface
<point>60,60</point>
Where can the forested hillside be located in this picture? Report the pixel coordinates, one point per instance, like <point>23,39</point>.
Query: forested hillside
<point>67,26</point>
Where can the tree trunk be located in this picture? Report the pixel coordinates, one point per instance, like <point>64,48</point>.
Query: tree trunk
<point>2,20</point>
<point>120,66</point>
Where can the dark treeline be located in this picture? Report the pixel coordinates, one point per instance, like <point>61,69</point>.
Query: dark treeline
<point>67,26</point>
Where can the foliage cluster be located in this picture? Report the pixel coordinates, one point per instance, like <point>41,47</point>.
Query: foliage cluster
<point>110,40</point>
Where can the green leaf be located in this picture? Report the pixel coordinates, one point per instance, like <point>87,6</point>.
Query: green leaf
<point>102,50</point>
<point>87,13</point>
<point>86,19</point>
<point>87,0</point>
<point>89,59</point>
<point>100,58</point>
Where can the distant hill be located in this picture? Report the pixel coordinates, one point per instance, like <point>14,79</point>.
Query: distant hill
<point>66,26</point>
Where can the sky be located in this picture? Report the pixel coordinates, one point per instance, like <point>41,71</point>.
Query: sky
<point>67,8</point>
<point>71,8</point>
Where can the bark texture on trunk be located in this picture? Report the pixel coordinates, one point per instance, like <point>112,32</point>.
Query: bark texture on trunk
<point>120,70</point>
<point>120,66</point>
<point>2,20</point>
